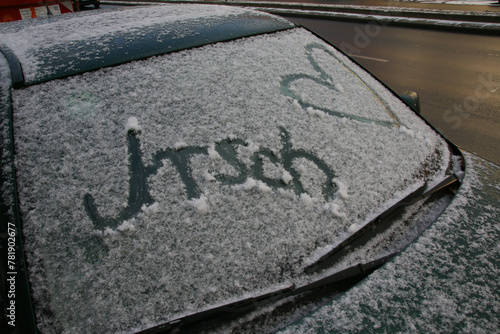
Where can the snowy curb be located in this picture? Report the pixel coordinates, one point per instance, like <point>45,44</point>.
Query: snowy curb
<point>483,27</point>
<point>484,22</point>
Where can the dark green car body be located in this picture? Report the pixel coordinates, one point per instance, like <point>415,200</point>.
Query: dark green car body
<point>443,281</point>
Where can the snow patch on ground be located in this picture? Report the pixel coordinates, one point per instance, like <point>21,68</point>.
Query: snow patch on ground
<point>468,2</point>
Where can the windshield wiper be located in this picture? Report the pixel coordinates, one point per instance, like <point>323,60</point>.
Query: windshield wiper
<point>213,316</point>
<point>382,221</point>
<point>216,315</point>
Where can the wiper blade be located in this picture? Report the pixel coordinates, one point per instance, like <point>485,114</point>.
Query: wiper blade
<point>203,319</point>
<point>384,218</point>
<point>223,312</point>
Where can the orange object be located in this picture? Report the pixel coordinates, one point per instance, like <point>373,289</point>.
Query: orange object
<point>12,10</point>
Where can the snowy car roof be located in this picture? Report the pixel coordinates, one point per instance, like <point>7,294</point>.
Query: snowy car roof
<point>168,186</point>
<point>56,47</point>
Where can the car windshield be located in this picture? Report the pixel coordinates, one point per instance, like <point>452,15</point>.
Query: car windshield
<point>166,186</point>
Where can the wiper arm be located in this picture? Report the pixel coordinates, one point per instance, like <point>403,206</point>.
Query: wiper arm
<point>384,218</point>
<point>192,323</point>
<point>446,183</point>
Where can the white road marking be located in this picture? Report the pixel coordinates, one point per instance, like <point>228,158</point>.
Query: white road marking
<point>369,58</point>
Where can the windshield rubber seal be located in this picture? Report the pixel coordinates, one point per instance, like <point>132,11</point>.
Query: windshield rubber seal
<point>16,71</point>
<point>16,292</point>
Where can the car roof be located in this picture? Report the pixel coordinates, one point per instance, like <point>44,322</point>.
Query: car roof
<point>92,40</point>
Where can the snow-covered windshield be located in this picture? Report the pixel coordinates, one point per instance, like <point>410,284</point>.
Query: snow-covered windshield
<point>166,186</point>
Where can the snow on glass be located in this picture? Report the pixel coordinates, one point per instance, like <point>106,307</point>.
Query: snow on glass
<point>161,187</point>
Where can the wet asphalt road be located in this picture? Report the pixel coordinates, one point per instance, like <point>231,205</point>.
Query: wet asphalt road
<point>456,75</point>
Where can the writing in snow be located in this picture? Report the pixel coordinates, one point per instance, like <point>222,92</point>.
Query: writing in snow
<point>139,195</point>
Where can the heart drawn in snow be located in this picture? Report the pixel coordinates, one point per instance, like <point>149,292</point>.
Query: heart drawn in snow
<point>323,93</point>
